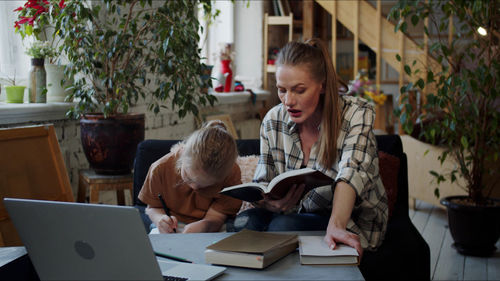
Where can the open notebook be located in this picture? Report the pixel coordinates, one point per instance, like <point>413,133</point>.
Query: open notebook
<point>75,241</point>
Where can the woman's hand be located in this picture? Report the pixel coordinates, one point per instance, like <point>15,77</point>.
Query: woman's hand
<point>336,235</point>
<point>167,224</point>
<point>286,203</point>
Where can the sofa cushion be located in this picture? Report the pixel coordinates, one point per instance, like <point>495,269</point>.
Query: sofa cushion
<point>389,169</point>
<point>247,164</point>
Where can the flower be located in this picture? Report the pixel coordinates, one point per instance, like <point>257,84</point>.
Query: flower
<point>35,14</point>
<point>40,50</point>
<point>365,88</point>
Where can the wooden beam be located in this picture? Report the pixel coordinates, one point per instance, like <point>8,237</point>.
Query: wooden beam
<point>401,44</point>
<point>308,19</point>
<point>290,27</point>
<point>379,44</point>
<point>356,38</point>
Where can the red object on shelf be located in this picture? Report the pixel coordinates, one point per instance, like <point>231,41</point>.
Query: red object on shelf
<point>228,74</point>
<point>271,62</point>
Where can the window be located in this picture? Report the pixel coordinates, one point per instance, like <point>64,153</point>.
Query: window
<point>12,56</point>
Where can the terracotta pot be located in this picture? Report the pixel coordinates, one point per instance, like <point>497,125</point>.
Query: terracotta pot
<point>110,144</point>
<point>475,229</point>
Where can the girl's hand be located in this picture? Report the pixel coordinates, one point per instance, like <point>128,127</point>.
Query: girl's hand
<point>167,224</point>
<point>336,235</point>
<point>286,203</point>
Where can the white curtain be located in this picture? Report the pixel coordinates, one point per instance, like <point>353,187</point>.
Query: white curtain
<point>12,56</point>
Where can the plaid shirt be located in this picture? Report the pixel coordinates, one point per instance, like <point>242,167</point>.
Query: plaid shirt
<point>357,165</point>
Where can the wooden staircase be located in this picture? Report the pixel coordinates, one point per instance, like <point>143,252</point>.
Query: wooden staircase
<point>367,24</point>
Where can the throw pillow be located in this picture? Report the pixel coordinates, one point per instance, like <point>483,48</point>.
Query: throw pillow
<point>389,169</point>
<point>247,164</point>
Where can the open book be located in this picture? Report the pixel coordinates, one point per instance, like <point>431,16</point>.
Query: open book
<point>252,249</point>
<point>279,186</point>
<point>313,250</point>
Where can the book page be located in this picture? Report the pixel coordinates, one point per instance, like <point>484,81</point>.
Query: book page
<point>315,246</point>
<point>279,186</point>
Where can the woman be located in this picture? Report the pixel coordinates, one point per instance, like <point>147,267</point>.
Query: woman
<point>315,127</point>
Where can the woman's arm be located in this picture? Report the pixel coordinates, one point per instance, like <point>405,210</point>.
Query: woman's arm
<point>212,222</point>
<point>343,203</point>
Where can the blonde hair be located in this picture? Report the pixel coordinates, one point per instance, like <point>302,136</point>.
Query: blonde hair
<point>314,55</point>
<point>211,148</point>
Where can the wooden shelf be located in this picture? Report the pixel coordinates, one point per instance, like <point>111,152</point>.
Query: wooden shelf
<point>280,20</point>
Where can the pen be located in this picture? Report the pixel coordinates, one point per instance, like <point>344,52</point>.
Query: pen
<point>165,208</point>
<point>172,257</point>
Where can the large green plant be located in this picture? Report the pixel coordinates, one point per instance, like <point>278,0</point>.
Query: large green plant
<point>121,50</point>
<point>464,100</point>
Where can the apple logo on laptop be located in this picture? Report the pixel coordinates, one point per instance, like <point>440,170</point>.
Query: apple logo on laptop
<point>84,249</point>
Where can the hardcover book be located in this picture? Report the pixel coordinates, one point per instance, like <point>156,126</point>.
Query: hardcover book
<point>279,186</point>
<point>252,249</point>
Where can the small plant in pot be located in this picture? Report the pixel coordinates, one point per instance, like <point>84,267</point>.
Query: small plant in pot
<point>123,52</point>
<point>13,93</point>
<point>462,111</point>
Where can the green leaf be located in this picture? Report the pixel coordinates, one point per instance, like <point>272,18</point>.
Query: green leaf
<point>414,20</point>
<point>436,193</point>
<point>407,69</point>
<point>464,142</point>
<point>398,57</point>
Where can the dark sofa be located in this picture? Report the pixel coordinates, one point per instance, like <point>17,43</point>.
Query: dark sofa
<point>404,254</point>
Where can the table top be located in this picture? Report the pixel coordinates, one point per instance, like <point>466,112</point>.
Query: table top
<point>192,246</point>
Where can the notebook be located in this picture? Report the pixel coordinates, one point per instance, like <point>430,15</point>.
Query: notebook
<point>77,241</point>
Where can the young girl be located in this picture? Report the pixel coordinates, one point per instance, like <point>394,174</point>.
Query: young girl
<point>189,179</point>
<point>315,127</point>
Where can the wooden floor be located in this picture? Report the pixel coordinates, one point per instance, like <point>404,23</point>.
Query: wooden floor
<point>446,262</point>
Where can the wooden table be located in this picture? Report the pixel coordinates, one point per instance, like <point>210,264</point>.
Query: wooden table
<point>192,246</point>
<point>88,179</point>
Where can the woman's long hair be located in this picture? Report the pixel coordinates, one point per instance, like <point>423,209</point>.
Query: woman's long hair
<point>314,55</point>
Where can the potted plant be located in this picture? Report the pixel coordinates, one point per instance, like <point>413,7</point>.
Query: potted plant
<point>461,113</point>
<point>13,93</point>
<point>36,19</point>
<point>123,51</point>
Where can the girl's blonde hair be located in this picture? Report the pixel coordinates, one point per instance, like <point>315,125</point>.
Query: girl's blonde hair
<point>314,55</point>
<point>211,148</point>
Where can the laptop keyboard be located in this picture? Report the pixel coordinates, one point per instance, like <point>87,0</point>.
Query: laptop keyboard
<point>173,278</point>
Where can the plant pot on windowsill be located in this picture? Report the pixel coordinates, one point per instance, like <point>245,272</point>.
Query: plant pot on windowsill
<point>14,94</point>
<point>55,91</point>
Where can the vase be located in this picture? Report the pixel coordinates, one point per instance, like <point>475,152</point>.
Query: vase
<point>14,94</point>
<point>475,229</point>
<point>228,74</point>
<point>56,92</point>
<point>110,143</point>
<point>37,82</point>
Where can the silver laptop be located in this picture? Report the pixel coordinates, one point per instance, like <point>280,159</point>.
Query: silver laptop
<point>75,241</point>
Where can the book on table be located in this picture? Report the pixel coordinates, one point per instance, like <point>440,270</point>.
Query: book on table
<point>279,186</point>
<point>252,249</point>
<point>313,250</point>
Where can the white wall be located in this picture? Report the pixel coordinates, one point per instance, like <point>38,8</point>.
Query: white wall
<point>248,22</point>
